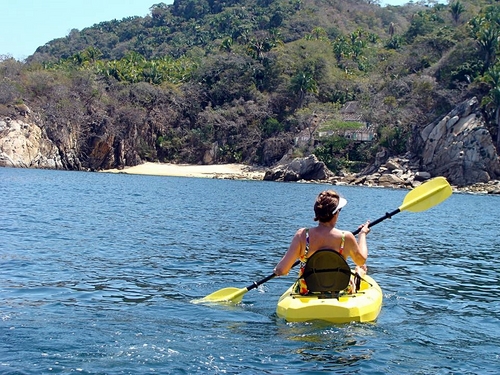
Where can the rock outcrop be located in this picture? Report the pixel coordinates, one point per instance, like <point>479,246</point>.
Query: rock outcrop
<point>308,168</point>
<point>458,147</point>
<point>23,144</point>
<point>393,172</point>
<point>27,143</point>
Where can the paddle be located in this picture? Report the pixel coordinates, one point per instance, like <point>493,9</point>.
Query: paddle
<point>421,198</point>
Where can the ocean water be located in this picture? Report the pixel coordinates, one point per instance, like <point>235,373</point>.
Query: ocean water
<point>98,273</point>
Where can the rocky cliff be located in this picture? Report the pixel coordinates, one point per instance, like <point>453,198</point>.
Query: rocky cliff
<point>27,142</point>
<point>458,147</point>
<point>25,145</point>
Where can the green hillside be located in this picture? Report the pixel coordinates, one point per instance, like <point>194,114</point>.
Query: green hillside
<point>207,81</point>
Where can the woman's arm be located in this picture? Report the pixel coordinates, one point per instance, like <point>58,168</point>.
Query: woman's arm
<point>293,253</point>
<point>359,250</point>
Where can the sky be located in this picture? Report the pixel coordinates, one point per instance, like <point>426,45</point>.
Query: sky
<point>26,25</point>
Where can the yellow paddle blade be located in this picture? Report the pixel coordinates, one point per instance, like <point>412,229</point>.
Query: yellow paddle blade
<point>234,295</point>
<point>427,195</point>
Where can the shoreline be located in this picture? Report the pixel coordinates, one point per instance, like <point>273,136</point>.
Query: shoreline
<point>223,171</point>
<point>246,172</point>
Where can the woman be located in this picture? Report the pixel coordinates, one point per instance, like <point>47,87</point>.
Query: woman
<point>325,236</point>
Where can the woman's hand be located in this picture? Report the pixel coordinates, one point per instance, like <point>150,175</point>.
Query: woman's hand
<point>364,228</point>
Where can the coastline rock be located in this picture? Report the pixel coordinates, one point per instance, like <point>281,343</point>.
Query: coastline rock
<point>308,168</point>
<point>422,176</point>
<point>390,180</point>
<point>24,145</point>
<point>458,147</point>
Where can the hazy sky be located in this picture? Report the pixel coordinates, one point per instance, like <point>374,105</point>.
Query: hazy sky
<point>27,24</point>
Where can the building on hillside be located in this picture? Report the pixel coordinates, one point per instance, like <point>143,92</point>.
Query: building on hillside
<point>303,138</point>
<point>363,135</point>
<point>349,112</point>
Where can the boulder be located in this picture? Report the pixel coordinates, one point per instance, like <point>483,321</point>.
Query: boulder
<point>390,180</point>
<point>422,176</point>
<point>392,165</point>
<point>308,168</point>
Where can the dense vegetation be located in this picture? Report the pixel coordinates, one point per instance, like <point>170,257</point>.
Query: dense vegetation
<point>242,80</point>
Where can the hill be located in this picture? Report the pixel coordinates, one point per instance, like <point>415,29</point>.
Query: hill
<point>209,81</point>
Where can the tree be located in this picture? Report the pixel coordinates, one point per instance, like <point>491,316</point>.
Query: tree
<point>227,44</point>
<point>188,9</point>
<point>318,33</point>
<point>159,13</point>
<point>341,48</point>
<point>263,42</point>
<point>488,42</point>
<point>396,42</point>
<point>357,44</point>
<point>392,29</point>
<point>456,10</point>
<point>302,83</point>
<point>423,23</point>
<point>90,55</point>
<point>492,100</point>
<point>485,30</point>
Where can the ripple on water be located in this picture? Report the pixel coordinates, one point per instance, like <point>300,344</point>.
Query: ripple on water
<point>98,273</point>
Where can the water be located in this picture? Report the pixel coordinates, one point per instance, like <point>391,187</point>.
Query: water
<point>98,271</point>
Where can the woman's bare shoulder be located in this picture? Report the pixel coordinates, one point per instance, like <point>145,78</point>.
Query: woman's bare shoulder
<point>300,231</point>
<point>348,235</point>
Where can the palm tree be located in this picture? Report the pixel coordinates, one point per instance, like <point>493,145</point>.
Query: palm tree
<point>302,83</point>
<point>492,100</point>
<point>227,44</point>
<point>341,48</point>
<point>152,73</point>
<point>456,9</point>
<point>318,33</point>
<point>488,42</point>
<point>357,44</point>
<point>263,42</point>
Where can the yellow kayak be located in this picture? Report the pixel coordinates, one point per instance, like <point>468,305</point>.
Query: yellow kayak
<point>363,306</point>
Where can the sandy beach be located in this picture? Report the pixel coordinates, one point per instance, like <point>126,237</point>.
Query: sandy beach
<point>225,171</point>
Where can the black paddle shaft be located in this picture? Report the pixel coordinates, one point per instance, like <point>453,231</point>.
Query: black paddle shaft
<point>387,215</point>
<point>255,284</point>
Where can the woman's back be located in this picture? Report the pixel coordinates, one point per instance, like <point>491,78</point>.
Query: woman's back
<point>322,237</point>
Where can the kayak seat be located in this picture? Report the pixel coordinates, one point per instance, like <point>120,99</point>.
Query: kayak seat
<point>326,271</point>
